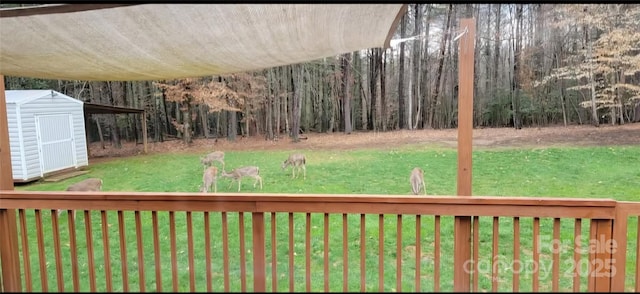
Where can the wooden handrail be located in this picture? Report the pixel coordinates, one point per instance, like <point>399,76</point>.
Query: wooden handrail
<point>608,219</point>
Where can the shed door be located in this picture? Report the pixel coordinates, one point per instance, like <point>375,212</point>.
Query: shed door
<point>55,142</point>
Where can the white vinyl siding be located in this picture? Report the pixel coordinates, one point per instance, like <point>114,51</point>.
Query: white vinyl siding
<point>27,163</point>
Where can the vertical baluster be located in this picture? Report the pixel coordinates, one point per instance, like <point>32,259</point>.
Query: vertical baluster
<point>291,251</point>
<point>123,252</point>
<point>637,288</point>
<point>476,249</point>
<point>556,255</point>
<point>577,232</point>
<point>274,259</point>
<point>174,258</point>
<point>141,282</point>
<point>362,252</point>
<point>418,251</point>
<point>436,253</point>
<point>345,254</point>
<point>26,257</point>
<point>381,252</point>
<point>225,250</point>
<point>90,262</point>
<point>156,250</point>
<point>41,254</point>
<point>107,255</point>
<point>399,253</point>
<point>494,253</point>
<point>326,252</point>
<point>591,280</point>
<point>307,254</point>
<point>536,254</point>
<point>56,249</point>
<point>243,262</point>
<point>192,276</point>
<point>207,251</point>
<point>516,254</point>
<point>71,221</point>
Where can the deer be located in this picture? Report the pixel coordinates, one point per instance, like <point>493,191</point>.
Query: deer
<point>90,184</point>
<point>296,161</point>
<point>417,181</point>
<point>242,172</point>
<point>208,159</point>
<point>209,177</point>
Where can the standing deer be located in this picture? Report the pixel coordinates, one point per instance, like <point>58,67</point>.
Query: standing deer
<point>296,161</point>
<point>241,172</point>
<point>417,181</point>
<point>90,184</point>
<point>208,159</point>
<point>210,177</point>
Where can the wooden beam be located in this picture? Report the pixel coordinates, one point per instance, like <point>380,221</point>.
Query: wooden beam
<point>55,8</point>
<point>9,252</point>
<point>462,226</point>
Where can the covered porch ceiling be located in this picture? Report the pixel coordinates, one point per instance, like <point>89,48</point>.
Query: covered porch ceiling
<point>111,42</point>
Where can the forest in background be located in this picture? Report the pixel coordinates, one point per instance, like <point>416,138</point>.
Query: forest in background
<point>536,65</point>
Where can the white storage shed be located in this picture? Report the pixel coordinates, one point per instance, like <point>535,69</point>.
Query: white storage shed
<point>46,133</point>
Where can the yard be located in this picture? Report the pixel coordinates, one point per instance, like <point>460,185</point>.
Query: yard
<point>576,162</point>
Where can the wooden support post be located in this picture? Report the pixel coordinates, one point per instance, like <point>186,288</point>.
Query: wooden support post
<point>9,252</point>
<point>462,224</point>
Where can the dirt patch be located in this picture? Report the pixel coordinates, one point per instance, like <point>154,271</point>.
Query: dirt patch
<point>628,134</point>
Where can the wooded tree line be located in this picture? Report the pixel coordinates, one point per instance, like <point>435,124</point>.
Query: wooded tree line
<point>536,65</point>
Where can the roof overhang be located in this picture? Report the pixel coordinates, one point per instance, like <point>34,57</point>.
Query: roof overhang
<point>94,108</point>
<point>108,42</point>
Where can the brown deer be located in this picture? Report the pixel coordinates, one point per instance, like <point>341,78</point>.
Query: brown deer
<point>208,159</point>
<point>417,181</point>
<point>241,172</point>
<point>90,184</point>
<point>296,161</point>
<point>210,177</point>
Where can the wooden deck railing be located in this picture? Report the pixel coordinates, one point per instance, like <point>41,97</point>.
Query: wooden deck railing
<point>126,241</point>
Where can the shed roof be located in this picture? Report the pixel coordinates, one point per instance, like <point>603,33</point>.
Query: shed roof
<point>96,108</point>
<point>20,97</point>
<point>169,41</point>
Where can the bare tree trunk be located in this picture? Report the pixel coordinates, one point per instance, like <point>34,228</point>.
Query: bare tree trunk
<point>383,94</point>
<point>117,96</point>
<point>296,80</point>
<point>619,96</point>
<point>424,98</point>
<point>373,82</point>
<point>204,119</point>
<point>515,86</point>
<point>594,112</point>
<point>496,54</point>
<point>269,107</point>
<point>443,47</point>
<point>401,96</point>
<point>346,94</point>
<point>100,133</point>
<point>416,91</point>
<point>357,98</point>
<point>364,105</point>
<point>277,100</point>
<point>232,125</point>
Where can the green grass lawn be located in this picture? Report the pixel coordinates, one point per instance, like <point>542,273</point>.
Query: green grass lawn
<point>585,172</point>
